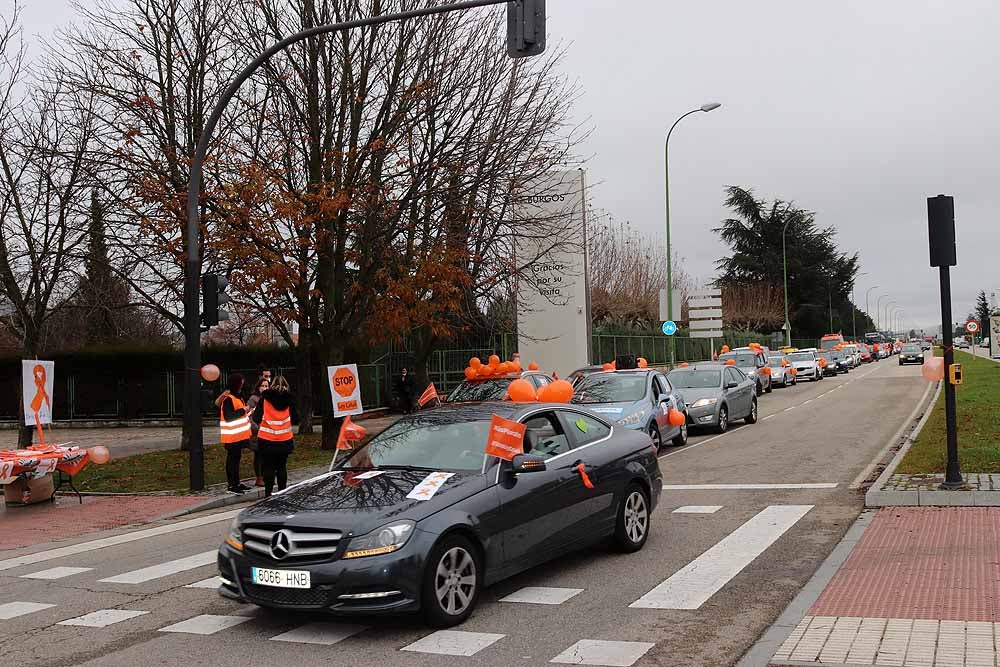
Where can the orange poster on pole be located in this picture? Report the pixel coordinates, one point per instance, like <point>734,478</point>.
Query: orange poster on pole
<point>506,439</point>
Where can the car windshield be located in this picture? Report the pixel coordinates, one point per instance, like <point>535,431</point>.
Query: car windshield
<point>743,359</point>
<point>696,379</point>
<point>911,349</point>
<point>494,389</point>
<point>611,388</point>
<point>801,356</point>
<point>443,439</point>
<point>775,362</point>
<point>830,343</point>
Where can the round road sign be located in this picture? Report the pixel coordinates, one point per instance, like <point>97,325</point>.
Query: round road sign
<point>669,328</point>
<point>972,326</point>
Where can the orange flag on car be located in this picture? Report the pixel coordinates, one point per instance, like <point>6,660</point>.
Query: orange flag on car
<point>430,394</point>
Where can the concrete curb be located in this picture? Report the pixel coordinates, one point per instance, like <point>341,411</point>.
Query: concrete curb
<point>876,495</point>
<point>217,502</point>
<point>763,650</point>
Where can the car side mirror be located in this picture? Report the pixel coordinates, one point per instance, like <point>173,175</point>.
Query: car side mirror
<point>732,385</point>
<point>527,463</point>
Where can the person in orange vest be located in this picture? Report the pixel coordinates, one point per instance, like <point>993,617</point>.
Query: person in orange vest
<point>234,431</point>
<point>276,413</point>
<point>875,352</point>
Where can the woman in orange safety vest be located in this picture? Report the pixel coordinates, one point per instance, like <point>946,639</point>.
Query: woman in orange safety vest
<point>276,413</point>
<point>234,432</point>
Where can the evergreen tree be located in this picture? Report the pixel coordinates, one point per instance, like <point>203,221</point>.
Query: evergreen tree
<point>103,297</point>
<point>983,313</point>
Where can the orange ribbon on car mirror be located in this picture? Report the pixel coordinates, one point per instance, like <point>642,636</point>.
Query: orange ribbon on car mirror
<point>582,469</point>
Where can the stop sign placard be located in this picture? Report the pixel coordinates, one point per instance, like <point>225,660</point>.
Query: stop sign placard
<point>345,390</point>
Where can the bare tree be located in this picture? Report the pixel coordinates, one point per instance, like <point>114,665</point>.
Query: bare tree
<point>44,137</point>
<point>753,308</point>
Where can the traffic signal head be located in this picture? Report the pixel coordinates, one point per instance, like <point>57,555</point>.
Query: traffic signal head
<point>941,230</point>
<point>525,28</point>
<point>213,293</point>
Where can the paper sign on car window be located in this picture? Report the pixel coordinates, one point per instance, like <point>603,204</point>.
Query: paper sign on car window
<point>426,489</point>
<point>506,438</point>
<point>582,425</point>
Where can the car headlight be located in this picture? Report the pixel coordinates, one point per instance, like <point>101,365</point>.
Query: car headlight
<point>634,418</point>
<point>235,538</point>
<point>384,540</point>
<point>702,402</point>
<point>752,372</point>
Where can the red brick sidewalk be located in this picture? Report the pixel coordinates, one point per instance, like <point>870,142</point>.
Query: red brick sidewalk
<point>49,522</point>
<point>921,562</point>
<point>920,588</point>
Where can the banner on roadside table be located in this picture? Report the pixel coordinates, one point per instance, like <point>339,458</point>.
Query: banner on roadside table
<point>345,388</point>
<point>37,378</point>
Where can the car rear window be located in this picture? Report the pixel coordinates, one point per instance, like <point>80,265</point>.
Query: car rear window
<point>612,388</point>
<point>697,379</point>
<point>494,389</point>
<point>746,360</point>
<point>801,356</point>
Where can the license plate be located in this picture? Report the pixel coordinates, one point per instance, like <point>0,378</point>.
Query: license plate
<point>280,578</point>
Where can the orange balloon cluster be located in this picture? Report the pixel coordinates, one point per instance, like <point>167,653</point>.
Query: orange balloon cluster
<point>822,362</point>
<point>494,367</point>
<point>559,391</point>
<point>522,391</point>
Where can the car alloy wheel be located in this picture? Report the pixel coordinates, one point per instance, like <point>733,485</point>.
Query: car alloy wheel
<point>759,389</point>
<point>632,527</point>
<point>752,417</point>
<point>654,435</point>
<point>451,582</point>
<point>723,420</point>
<point>770,386</point>
<point>682,435</point>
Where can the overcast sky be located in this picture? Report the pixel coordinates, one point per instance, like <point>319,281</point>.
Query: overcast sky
<point>856,110</point>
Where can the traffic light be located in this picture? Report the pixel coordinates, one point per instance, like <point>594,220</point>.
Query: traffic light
<point>525,28</point>
<point>213,294</point>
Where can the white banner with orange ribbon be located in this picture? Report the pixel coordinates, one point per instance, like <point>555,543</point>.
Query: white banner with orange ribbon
<point>36,385</point>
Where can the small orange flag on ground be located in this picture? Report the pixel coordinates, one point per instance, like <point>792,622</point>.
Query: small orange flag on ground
<point>430,394</point>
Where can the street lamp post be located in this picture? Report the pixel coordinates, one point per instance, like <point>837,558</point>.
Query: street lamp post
<point>868,311</point>
<point>784,263</point>
<point>705,108</point>
<point>886,319</point>
<point>854,307</point>
<point>878,311</point>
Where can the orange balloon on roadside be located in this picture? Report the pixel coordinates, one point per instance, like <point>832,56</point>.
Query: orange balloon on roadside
<point>210,372</point>
<point>470,373</point>
<point>933,369</point>
<point>522,391</point>
<point>99,455</point>
<point>676,417</point>
<point>532,366</point>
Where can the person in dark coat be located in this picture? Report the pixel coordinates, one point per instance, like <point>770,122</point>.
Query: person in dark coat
<point>235,432</point>
<point>276,413</point>
<point>405,391</point>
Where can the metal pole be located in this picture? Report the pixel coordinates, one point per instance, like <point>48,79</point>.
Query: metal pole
<point>878,311</point>
<point>868,312</point>
<point>854,313</point>
<point>784,263</point>
<point>953,474</point>
<point>192,236</point>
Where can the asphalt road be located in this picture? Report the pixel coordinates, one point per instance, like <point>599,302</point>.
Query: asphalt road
<point>711,606</point>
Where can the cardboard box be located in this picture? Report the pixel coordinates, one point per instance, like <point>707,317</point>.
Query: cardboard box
<point>41,491</point>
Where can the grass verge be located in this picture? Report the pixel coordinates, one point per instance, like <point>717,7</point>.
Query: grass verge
<point>168,471</point>
<point>978,409</point>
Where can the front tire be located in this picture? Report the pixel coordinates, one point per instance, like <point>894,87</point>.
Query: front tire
<point>752,417</point>
<point>759,389</point>
<point>452,582</point>
<point>654,435</point>
<point>770,387</point>
<point>723,425</point>
<point>632,526</point>
<point>681,438</point>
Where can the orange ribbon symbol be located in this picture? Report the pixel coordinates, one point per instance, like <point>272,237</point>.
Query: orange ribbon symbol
<point>40,396</point>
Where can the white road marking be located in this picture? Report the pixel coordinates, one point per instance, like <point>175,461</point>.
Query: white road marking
<point>453,642</point>
<point>542,595</point>
<point>598,652</point>
<point>56,573</point>
<point>102,618</point>
<point>697,444</point>
<point>697,509</point>
<point>789,409</point>
<point>324,634</point>
<point>809,401</point>
<point>14,609</point>
<point>768,417</point>
<point>748,487</point>
<point>211,582</point>
<point>695,583</point>
<point>206,624</point>
<point>93,545</point>
<point>163,569</point>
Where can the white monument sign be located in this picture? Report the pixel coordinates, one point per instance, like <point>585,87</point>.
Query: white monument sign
<point>553,309</point>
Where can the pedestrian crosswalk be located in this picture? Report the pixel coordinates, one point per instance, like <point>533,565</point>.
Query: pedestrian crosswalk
<point>688,588</point>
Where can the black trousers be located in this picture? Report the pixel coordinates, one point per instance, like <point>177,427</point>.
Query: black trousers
<point>273,467</point>
<point>234,453</point>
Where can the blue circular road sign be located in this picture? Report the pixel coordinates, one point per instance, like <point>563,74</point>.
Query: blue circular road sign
<point>669,328</point>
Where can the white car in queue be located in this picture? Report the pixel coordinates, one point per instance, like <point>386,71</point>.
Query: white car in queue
<point>806,364</point>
